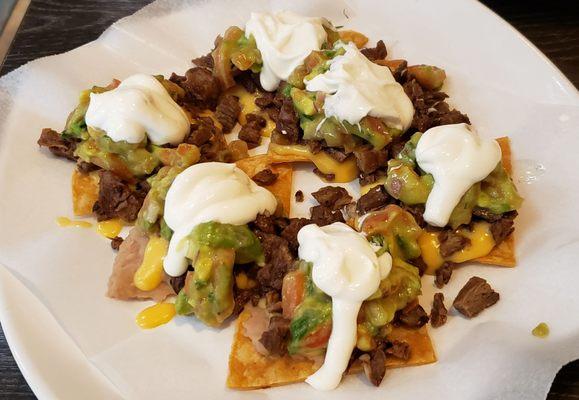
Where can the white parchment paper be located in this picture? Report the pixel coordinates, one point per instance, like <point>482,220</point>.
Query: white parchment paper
<point>505,86</point>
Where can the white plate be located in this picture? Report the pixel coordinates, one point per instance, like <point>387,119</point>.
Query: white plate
<point>72,342</point>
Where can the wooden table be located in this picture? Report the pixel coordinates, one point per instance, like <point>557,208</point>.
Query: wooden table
<point>54,26</point>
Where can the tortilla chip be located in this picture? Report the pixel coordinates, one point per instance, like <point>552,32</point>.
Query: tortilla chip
<point>85,192</point>
<point>281,188</point>
<point>503,255</point>
<point>249,369</point>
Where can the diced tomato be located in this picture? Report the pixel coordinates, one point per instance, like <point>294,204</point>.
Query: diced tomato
<point>292,292</point>
<point>320,337</point>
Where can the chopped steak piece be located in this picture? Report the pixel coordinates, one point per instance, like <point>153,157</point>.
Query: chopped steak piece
<point>290,232</point>
<point>326,177</point>
<point>276,337</point>
<point>57,145</point>
<point>322,216</point>
<point>333,197</point>
<point>251,131</point>
<point>451,242</point>
<point>474,297</point>
<point>265,177</point>
<point>336,154</point>
<point>265,223</point>
<point>215,149</point>
<point>288,122</point>
<point>272,113</point>
<point>398,349</point>
<point>374,364</point>
<point>376,53</point>
<point>369,160</point>
<point>502,228</point>
<point>396,147</point>
<point>314,146</point>
<point>116,199</point>
<point>417,212</point>
<point>376,197</point>
<point>299,196</point>
<point>398,69</point>
<point>205,61</point>
<point>242,297</point>
<point>278,261</point>
<point>265,100</point>
<point>420,264</point>
<point>227,112</point>
<point>438,312</point>
<point>86,167</point>
<point>366,179</point>
<point>249,80</point>
<point>116,242</point>
<point>202,130</point>
<point>485,214</point>
<point>273,301</point>
<point>430,109</point>
<point>201,86</point>
<point>443,275</point>
<point>177,282</point>
<point>413,315</point>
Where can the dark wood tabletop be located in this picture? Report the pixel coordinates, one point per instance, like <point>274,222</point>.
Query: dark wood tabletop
<point>55,26</point>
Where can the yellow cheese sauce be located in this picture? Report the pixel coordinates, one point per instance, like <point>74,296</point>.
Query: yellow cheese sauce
<point>541,330</point>
<point>481,244</point>
<point>66,222</point>
<point>344,172</point>
<point>150,273</point>
<point>156,315</point>
<point>247,103</point>
<point>111,228</point>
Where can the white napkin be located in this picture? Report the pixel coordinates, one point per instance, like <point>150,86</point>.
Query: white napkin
<point>494,76</point>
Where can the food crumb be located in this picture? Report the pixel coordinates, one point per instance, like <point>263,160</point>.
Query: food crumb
<point>541,330</point>
<point>116,242</point>
<point>299,196</point>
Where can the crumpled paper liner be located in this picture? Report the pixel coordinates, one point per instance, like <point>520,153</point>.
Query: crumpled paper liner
<point>491,356</point>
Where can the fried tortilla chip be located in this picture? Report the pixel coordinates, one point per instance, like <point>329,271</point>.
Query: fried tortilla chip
<point>249,369</point>
<point>85,192</point>
<point>503,255</point>
<point>282,186</point>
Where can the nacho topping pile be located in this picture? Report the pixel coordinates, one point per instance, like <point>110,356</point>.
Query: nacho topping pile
<point>202,163</point>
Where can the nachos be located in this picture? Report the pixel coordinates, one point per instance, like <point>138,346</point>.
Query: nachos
<point>201,166</point>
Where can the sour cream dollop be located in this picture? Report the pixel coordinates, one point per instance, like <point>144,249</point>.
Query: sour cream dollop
<point>209,192</point>
<point>284,39</point>
<point>359,87</point>
<point>346,268</point>
<point>139,107</point>
<point>457,158</point>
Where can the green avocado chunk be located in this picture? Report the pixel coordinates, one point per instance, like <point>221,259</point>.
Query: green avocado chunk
<point>398,289</point>
<point>498,193</point>
<point>215,248</point>
<point>209,292</point>
<point>404,184</point>
<point>152,209</point>
<point>462,213</point>
<point>226,236</point>
<point>313,314</point>
<point>303,101</point>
